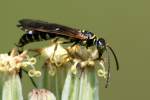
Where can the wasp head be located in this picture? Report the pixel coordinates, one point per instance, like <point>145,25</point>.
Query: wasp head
<point>101,46</point>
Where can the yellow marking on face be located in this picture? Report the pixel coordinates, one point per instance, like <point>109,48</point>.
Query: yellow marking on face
<point>94,36</point>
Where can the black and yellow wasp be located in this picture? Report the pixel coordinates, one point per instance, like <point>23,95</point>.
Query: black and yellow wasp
<point>37,30</point>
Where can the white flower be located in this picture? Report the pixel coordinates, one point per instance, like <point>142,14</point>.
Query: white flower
<point>13,62</point>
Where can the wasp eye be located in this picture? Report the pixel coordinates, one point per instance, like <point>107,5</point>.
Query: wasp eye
<point>102,41</point>
<point>98,43</point>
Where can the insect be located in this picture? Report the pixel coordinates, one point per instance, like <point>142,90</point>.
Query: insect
<point>37,30</point>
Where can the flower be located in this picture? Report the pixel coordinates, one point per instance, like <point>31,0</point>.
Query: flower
<point>41,94</point>
<point>84,58</point>
<point>14,62</point>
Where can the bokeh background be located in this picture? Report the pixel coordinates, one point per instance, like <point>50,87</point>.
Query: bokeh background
<point>125,24</point>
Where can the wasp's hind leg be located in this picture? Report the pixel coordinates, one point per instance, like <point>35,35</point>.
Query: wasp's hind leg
<point>31,79</point>
<point>55,42</point>
<point>36,51</point>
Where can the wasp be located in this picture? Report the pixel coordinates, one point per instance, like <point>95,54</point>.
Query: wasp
<point>37,30</point>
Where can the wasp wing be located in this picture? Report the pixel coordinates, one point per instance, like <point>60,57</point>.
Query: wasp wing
<point>52,28</point>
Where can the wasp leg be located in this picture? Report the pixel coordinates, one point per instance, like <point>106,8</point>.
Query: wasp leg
<point>74,44</point>
<point>37,51</point>
<point>58,42</point>
<point>55,41</point>
<point>54,50</point>
<point>33,82</point>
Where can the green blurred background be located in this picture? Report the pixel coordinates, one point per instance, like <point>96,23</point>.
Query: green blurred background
<point>123,23</point>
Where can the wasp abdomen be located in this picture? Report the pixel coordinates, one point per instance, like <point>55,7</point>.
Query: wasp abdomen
<point>35,36</point>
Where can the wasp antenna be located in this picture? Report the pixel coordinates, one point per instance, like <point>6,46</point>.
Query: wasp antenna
<point>116,60</point>
<point>108,70</point>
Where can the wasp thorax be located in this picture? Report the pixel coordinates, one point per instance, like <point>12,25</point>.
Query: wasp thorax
<point>89,35</point>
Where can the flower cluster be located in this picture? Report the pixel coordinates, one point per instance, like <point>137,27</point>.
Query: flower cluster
<point>14,62</point>
<point>77,56</point>
<point>84,58</point>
